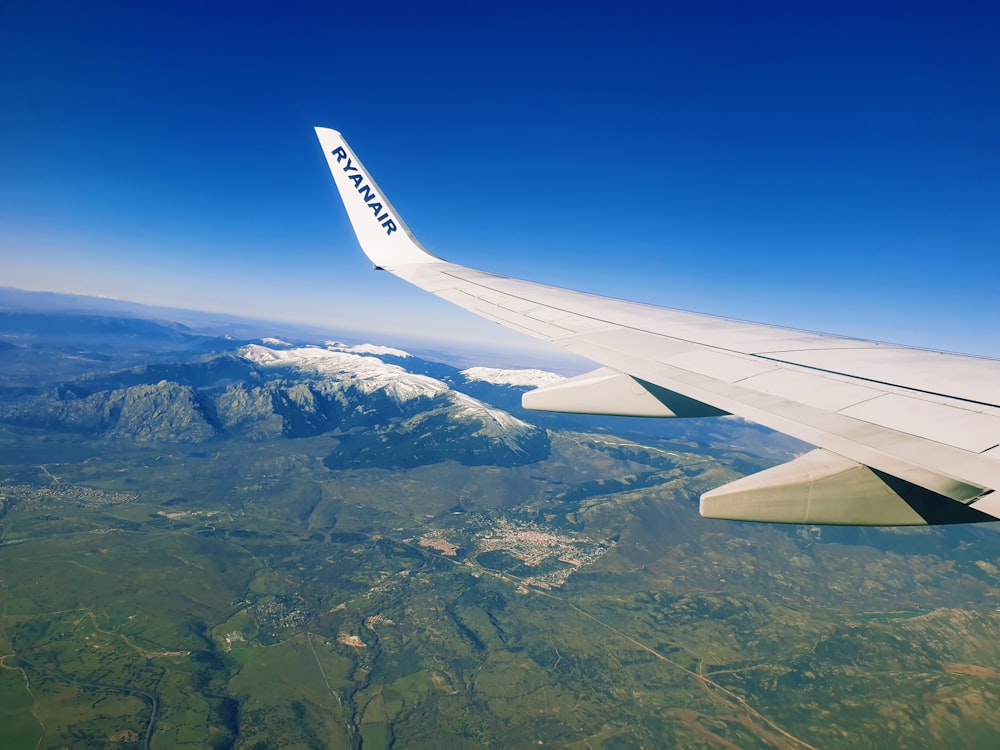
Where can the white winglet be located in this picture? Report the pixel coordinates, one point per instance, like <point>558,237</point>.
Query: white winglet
<point>381,232</point>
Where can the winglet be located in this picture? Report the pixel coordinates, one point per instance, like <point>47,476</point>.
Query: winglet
<point>381,232</point>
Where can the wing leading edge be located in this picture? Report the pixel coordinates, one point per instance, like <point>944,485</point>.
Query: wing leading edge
<point>903,436</point>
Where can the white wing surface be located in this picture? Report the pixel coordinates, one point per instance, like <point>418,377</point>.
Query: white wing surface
<point>902,435</point>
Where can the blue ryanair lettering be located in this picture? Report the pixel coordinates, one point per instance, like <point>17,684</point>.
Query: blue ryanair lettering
<point>368,195</point>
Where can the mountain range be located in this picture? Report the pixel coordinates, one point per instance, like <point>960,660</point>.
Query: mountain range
<point>80,369</point>
<point>381,413</point>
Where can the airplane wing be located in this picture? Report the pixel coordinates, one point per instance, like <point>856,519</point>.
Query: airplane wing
<point>903,436</point>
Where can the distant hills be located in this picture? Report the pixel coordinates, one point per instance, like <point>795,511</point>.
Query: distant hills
<point>97,369</point>
<point>382,414</point>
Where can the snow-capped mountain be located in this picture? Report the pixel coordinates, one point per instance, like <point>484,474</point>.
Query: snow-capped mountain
<point>497,424</point>
<point>363,371</point>
<point>378,351</point>
<point>382,414</point>
<point>340,369</point>
<point>495,376</point>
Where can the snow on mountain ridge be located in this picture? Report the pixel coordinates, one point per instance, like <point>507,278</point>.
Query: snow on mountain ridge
<point>369,374</point>
<point>387,351</point>
<point>497,376</point>
<point>366,373</point>
<point>497,424</point>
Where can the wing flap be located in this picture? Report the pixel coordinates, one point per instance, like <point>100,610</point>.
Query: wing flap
<point>948,424</point>
<point>822,392</point>
<point>957,376</point>
<point>727,366</point>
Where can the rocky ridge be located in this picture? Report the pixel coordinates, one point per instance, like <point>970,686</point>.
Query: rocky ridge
<point>380,412</point>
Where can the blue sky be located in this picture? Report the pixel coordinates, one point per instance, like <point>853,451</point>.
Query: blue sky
<point>830,166</point>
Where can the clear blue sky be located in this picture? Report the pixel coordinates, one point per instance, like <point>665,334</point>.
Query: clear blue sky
<point>831,166</point>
